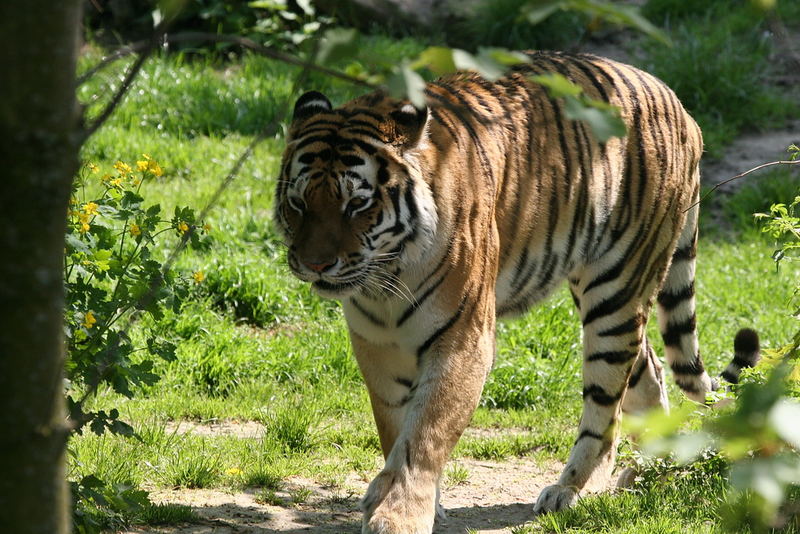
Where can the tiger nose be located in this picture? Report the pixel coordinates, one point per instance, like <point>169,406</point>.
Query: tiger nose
<point>319,267</point>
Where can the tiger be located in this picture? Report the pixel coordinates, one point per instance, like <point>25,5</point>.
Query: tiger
<point>428,223</point>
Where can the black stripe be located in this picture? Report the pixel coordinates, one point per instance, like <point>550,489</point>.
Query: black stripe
<point>694,368</point>
<point>742,361</point>
<point>729,376</point>
<point>686,253</point>
<point>404,381</point>
<point>589,434</point>
<point>672,336</point>
<point>368,314</point>
<point>686,386</point>
<point>599,395</point>
<point>637,374</point>
<point>669,299</point>
<point>418,304</point>
<point>612,357</point>
<point>441,330</point>
<point>631,325</point>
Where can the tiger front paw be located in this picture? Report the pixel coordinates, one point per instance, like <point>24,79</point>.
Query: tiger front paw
<point>554,498</point>
<point>394,508</point>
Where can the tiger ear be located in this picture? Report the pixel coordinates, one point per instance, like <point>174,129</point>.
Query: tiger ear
<point>409,125</point>
<point>309,104</point>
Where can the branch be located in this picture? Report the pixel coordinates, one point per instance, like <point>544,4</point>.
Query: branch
<point>218,38</point>
<point>745,173</point>
<point>146,49</point>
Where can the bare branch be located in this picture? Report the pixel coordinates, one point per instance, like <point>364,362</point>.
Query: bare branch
<point>249,44</point>
<point>745,173</point>
<point>147,49</point>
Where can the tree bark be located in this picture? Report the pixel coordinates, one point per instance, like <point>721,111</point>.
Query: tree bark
<point>39,132</point>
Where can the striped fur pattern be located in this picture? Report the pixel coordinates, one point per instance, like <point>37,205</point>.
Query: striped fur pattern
<point>429,224</point>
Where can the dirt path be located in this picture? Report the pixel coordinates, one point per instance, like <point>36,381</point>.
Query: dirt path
<point>496,496</point>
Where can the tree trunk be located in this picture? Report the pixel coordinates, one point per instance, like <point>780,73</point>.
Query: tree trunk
<point>39,127</point>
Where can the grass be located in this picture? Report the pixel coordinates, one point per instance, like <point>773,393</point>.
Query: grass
<point>718,64</point>
<point>255,345</point>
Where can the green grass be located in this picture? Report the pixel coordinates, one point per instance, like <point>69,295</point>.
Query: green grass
<point>718,65</point>
<point>256,345</point>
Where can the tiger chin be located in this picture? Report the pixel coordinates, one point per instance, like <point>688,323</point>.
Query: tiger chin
<point>429,224</point>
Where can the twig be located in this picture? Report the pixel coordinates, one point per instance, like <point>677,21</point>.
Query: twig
<point>745,173</point>
<point>147,49</point>
<point>220,38</point>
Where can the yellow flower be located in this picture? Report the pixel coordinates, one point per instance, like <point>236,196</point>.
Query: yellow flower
<point>233,471</point>
<point>155,168</point>
<point>89,320</point>
<point>142,165</point>
<point>183,227</point>
<point>90,208</point>
<point>116,182</point>
<point>84,228</point>
<point>73,201</point>
<point>83,218</point>
<point>135,230</point>
<point>198,277</point>
<point>105,178</point>
<point>122,167</point>
<point>94,169</point>
<point>136,181</point>
<point>206,228</point>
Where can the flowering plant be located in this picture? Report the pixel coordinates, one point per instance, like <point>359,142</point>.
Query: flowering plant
<point>112,272</point>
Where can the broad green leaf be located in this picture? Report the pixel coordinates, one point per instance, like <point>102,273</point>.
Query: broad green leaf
<point>558,85</point>
<point>406,83</point>
<point>483,64</point>
<point>337,44</point>
<point>438,59</point>
<point>506,57</point>
<point>785,416</point>
<point>604,123</point>
<point>102,255</point>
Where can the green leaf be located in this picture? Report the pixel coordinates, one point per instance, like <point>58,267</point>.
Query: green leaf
<point>274,5</point>
<point>438,59</point>
<point>102,254</point>
<point>604,123</point>
<point>406,83</point>
<point>483,64</point>
<point>74,243</point>
<point>337,44</point>
<point>558,85</point>
<point>784,417</point>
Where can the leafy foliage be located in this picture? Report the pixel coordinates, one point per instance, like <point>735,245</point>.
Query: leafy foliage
<point>110,273</point>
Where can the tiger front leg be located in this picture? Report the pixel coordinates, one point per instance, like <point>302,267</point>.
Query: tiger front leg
<point>420,426</point>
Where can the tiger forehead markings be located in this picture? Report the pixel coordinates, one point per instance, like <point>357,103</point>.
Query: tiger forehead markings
<point>428,224</point>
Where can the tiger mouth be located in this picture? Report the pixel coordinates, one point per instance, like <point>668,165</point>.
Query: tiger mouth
<point>335,287</point>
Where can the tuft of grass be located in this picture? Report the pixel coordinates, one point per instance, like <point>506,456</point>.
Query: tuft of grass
<point>455,474</point>
<point>291,427</point>
<point>269,496</point>
<point>300,495</point>
<point>192,466</point>
<point>166,514</point>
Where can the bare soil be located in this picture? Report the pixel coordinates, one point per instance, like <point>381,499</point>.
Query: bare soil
<point>495,497</point>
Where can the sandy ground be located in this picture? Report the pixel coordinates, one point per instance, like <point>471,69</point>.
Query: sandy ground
<point>495,496</point>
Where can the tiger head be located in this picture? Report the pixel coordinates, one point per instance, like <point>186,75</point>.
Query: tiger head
<point>351,202</point>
